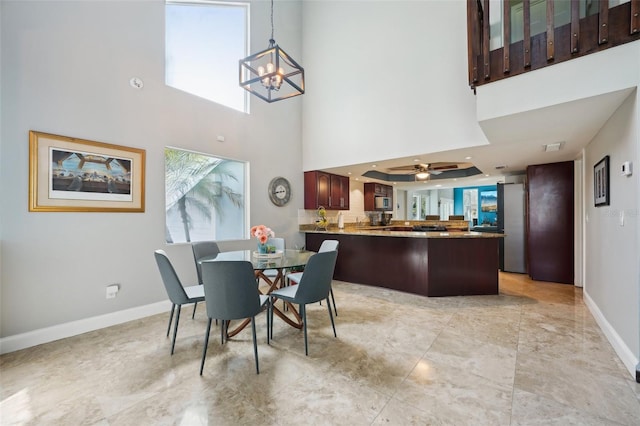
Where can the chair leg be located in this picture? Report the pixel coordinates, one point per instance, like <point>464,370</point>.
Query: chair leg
<point>335,308</point>
<point>175,329</point>
<point>255,345</point>
<point>173,307</point>
<point>268,321</point>
<point>222,331</point>
<point>206,343</point>
<point>271,302</point>
<point>303,311</point>
<point>193,315</point>
<point>331,316</point>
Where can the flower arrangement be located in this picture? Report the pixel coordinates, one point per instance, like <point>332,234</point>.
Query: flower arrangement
<point>262,234</point>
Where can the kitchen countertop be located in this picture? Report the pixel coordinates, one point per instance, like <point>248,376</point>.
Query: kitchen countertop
<point>379,231</point>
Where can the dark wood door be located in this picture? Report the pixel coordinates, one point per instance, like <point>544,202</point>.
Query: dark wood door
<point>550,233</point>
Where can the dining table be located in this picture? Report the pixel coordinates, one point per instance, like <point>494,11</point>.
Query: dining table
<point>280,262</point>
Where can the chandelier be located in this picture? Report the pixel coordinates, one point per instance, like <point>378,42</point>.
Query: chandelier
<point>271,74</point>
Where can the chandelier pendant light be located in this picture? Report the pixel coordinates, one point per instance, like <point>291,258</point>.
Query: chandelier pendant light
<point>271,74</point>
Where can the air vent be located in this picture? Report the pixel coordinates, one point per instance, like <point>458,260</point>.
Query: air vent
<point>500,167</point>
<point>553,147</point>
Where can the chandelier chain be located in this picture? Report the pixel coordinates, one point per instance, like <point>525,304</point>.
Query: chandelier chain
<point>272,39</point>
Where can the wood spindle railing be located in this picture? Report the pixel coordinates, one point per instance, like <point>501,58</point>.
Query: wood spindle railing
<point>581,36</point>
<point>575,26</point>
<point>506,34</point>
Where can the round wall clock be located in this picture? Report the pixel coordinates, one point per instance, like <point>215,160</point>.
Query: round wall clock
<point>279,191</point>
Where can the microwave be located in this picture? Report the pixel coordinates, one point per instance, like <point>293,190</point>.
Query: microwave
<point>383,203</point>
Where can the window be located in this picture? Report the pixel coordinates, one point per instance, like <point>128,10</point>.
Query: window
<point>205,197</point>
<point>204,41</point>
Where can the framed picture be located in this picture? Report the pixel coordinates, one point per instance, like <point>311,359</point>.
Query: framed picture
<point>601,182</point>
<point>489,201</point>
<point>76,175</point>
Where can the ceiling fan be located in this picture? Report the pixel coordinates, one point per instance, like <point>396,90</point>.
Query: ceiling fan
<point>423,170</point>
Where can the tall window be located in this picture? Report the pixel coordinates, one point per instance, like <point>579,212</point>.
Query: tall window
<point>204,40</point>
<point>205,197</point>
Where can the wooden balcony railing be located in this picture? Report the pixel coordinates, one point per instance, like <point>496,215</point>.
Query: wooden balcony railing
<point>607,27</point>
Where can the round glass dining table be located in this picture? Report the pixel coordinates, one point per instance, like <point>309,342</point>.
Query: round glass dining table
<point>279,262</point>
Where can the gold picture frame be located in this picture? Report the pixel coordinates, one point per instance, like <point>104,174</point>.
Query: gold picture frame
<point>77,175</point>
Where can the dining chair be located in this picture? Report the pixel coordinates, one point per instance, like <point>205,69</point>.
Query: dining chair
<point>202,249</point>
<point>279,244</point>
<point>294,277</point>
<point>178,294</point>
<point>231,293</point>
<point>314,286</point>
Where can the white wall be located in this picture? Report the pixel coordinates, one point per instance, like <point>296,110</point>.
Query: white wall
<point>385,79</point>
<point>612,269</point>
<point>66,68</point>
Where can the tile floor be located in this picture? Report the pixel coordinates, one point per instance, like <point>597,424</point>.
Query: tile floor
<point>532,355</point>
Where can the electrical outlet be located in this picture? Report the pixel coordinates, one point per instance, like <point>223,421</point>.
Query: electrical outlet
<point>112,290</point>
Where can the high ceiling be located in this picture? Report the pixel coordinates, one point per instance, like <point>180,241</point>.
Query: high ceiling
<point>516,141</point>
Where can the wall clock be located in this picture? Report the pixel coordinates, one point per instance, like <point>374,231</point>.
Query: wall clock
<point>279,191</point>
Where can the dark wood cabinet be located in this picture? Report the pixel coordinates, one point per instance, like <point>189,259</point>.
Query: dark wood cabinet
<point>373,190</point>
<point>327,190</point>
<point>550,221</point>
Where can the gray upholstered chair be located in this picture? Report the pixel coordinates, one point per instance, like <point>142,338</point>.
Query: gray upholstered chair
<point>231,293</point>
<point>294,277</point>
<point>279,244</point>
<point>178,294</point>
<point>202,249</point>
<point>314,286</point>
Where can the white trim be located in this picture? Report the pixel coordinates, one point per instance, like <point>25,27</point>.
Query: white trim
<point>73,328</point>
<point>626,355</point>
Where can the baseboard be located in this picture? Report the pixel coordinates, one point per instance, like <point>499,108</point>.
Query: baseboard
<point>73,328</point>
<point>627,357</point>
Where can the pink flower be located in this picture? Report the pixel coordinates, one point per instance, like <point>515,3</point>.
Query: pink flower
<point>262,233</point>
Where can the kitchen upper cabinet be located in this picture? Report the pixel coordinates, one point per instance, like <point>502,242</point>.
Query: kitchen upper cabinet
<point>373,190</point>
<point>327,190</point>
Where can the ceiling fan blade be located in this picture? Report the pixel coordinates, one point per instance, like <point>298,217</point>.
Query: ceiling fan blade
<point>408,168</point>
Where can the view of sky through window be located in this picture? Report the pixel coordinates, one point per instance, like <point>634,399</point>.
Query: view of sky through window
<point>203,43</point>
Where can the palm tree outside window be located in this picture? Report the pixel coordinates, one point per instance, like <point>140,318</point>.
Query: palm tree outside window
<point>204,197</point>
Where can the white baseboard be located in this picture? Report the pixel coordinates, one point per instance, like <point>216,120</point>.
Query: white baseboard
<point>73,328</point>
<point>626,355</point>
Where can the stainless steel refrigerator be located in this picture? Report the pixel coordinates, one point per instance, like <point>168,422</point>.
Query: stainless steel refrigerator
<point>511,221</point>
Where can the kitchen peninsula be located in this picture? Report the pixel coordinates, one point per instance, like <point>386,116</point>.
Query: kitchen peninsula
<point>438,263</point>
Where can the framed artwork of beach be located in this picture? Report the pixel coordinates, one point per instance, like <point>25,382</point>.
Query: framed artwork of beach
<point>77,175</point>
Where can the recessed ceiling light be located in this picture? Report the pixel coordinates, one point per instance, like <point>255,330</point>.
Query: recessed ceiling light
<point>416,159</point>
<point>348,173</point>
<point>374,165</point>
<point>467,158</point>
<point>487,175</point>
<point>438,186</point>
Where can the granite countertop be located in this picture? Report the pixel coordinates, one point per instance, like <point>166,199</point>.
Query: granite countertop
<point>379,231</point>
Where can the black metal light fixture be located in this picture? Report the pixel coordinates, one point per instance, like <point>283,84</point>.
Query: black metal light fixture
<point>271,74</point>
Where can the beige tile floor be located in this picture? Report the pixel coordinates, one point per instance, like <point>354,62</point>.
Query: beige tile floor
<point>532,355</point>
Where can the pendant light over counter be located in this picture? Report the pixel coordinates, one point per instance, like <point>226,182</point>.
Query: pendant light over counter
<point>271,74</point>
